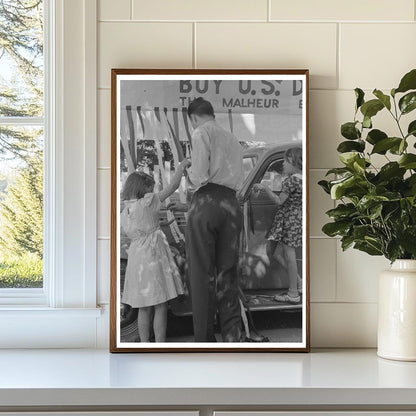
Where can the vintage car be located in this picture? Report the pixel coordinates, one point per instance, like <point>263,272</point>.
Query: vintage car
<point>260,279</point>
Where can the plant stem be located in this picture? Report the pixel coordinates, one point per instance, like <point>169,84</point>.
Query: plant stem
<point>397,118</point>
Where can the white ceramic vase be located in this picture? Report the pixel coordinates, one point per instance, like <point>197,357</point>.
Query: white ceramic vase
<point>397,312</point>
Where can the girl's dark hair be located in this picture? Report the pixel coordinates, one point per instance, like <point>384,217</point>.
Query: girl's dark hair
<point>136,185</point>
<point>200,107</point>
<point>294,157</point>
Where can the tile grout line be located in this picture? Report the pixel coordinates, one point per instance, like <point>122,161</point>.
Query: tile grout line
<point>338,63</point>
<point>194,62</point>
<point>173,21</point>
<point>254,21</point>
<point>344,302</point>
<point>269,11</point>
<point>131,9</point>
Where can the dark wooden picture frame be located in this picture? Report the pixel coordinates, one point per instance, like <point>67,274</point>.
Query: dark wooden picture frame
<point>267,111</point>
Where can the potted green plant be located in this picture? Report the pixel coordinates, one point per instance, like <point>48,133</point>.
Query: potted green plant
<point>376,206</point>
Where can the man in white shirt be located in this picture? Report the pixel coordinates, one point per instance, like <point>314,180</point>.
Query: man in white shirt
<point>214,225</point>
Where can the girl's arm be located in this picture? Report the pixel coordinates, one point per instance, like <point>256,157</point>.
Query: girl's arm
<point>278,199</point>
<point>176,180</point>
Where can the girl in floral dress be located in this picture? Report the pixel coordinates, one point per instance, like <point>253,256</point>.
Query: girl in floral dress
<point>152,277</point>
<point>287,224</point>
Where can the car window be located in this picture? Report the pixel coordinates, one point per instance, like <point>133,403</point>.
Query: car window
<point>274,175</point>
<point>248,164</point>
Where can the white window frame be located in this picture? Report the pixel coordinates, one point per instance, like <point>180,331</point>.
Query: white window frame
<point>64,313</point>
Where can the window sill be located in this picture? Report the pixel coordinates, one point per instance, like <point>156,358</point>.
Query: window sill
<point>40,327</point>
<point>324,379</point>
<point>22,297</point>
<point>39,311</point>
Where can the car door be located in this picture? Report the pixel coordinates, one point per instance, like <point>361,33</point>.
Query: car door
<point>258,271</point>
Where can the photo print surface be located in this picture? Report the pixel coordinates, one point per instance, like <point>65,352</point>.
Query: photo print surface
<point>209,211</point>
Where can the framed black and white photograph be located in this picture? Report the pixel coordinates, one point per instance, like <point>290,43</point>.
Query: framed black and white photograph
<point>209,211</point>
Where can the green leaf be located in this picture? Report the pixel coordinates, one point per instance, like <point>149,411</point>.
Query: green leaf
<point>391,170</point>
<point>359,94</point>
<point>349,131</point>
<point>369,201</point>
<point>368,248</point>
<point>408,82</point>
<point>367,122</point>
<point>338,171</point>
<point>402,147</point>
<point>359,165</point>
<point>349,146</point>
<point>411,180</point>
<point>375,211</point>
<point>393,250</point>
<point>325,186</point>
<point>407,240</point>
<point>412,202</point>
<point>391,212</point>
<point>348,158</point>
<point>411,130</point>
<point>338,189</point>
<point>408,161</point>
<point>333,229</point>
<point>385,99</point>
<point>411,183</point>
<point>350,187</point>
<point>346,242</point>
<point>360,231</point>
<point>399,148</point>
<point>342,211</point>
<point>375,136</point>
<point>383,145</point>
<point>408,102</point>
<point>371,108</point>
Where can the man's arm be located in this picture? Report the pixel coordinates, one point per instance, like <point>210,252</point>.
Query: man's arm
<point>198,174</point>
<point>175,182</point>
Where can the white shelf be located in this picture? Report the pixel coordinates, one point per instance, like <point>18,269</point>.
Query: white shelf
<point>58,378</point>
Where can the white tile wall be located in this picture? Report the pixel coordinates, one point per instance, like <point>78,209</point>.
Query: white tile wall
<point>344,325</point>
<point>376,55</point>
<point>114,10</point>
<point>103,271</point>
<point>319,203</point>
<point>202,10</point>
<point>271,45</point>
<point>345,44</point>
<point>323,269</point>
<point>357,275</point>
<point>142,45</point>
<point>341,10</point>
<point>104,202</point>
<point>104,128</point>
<point>328,110</point>
<point>331,108</point>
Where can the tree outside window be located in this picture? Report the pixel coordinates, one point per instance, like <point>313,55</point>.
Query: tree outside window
<point>21,143</point>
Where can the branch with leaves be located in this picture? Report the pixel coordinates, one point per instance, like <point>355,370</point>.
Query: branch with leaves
<point>376,210</point>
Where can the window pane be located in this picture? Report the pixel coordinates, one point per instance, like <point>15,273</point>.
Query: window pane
<point>21,58</point>
<point>21,207</point>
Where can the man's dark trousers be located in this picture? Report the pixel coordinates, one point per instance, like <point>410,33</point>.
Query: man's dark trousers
<point>212,245</point>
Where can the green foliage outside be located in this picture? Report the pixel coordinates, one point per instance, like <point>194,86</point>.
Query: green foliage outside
<point>21,213</point>
<point>24,271</point>
<point>376,212</point>
<point>21,95</point>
